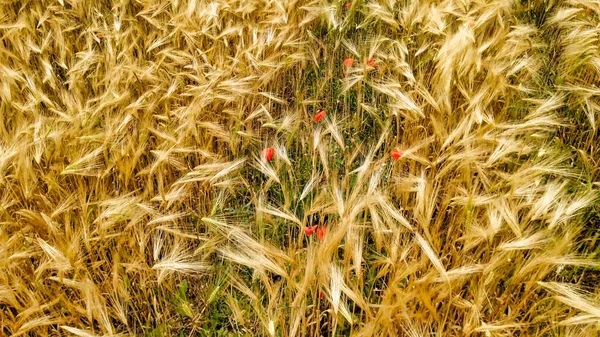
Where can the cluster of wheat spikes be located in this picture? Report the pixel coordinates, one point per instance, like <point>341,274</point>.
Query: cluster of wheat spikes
<point>136,199</point>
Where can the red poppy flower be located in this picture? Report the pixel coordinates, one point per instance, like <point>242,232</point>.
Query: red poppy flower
<point>321,233</point>
<point>396,154</point>
<point>310,230</point>
<point>348,5</point>
<point>268,153</point>
<point>320,115</point>
<point>371,62</point>
<point>321,295</point>
<point>348,62</point>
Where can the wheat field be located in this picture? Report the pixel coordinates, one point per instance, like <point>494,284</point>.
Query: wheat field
<point>293,168</point>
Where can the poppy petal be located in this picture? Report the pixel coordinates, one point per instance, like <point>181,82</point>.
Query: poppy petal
<point>320,115</point>
<point>396,154</point>
<point>321,233</point>
<point>309,230</point>
<point>268,153</point>
<point>348,62</point>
